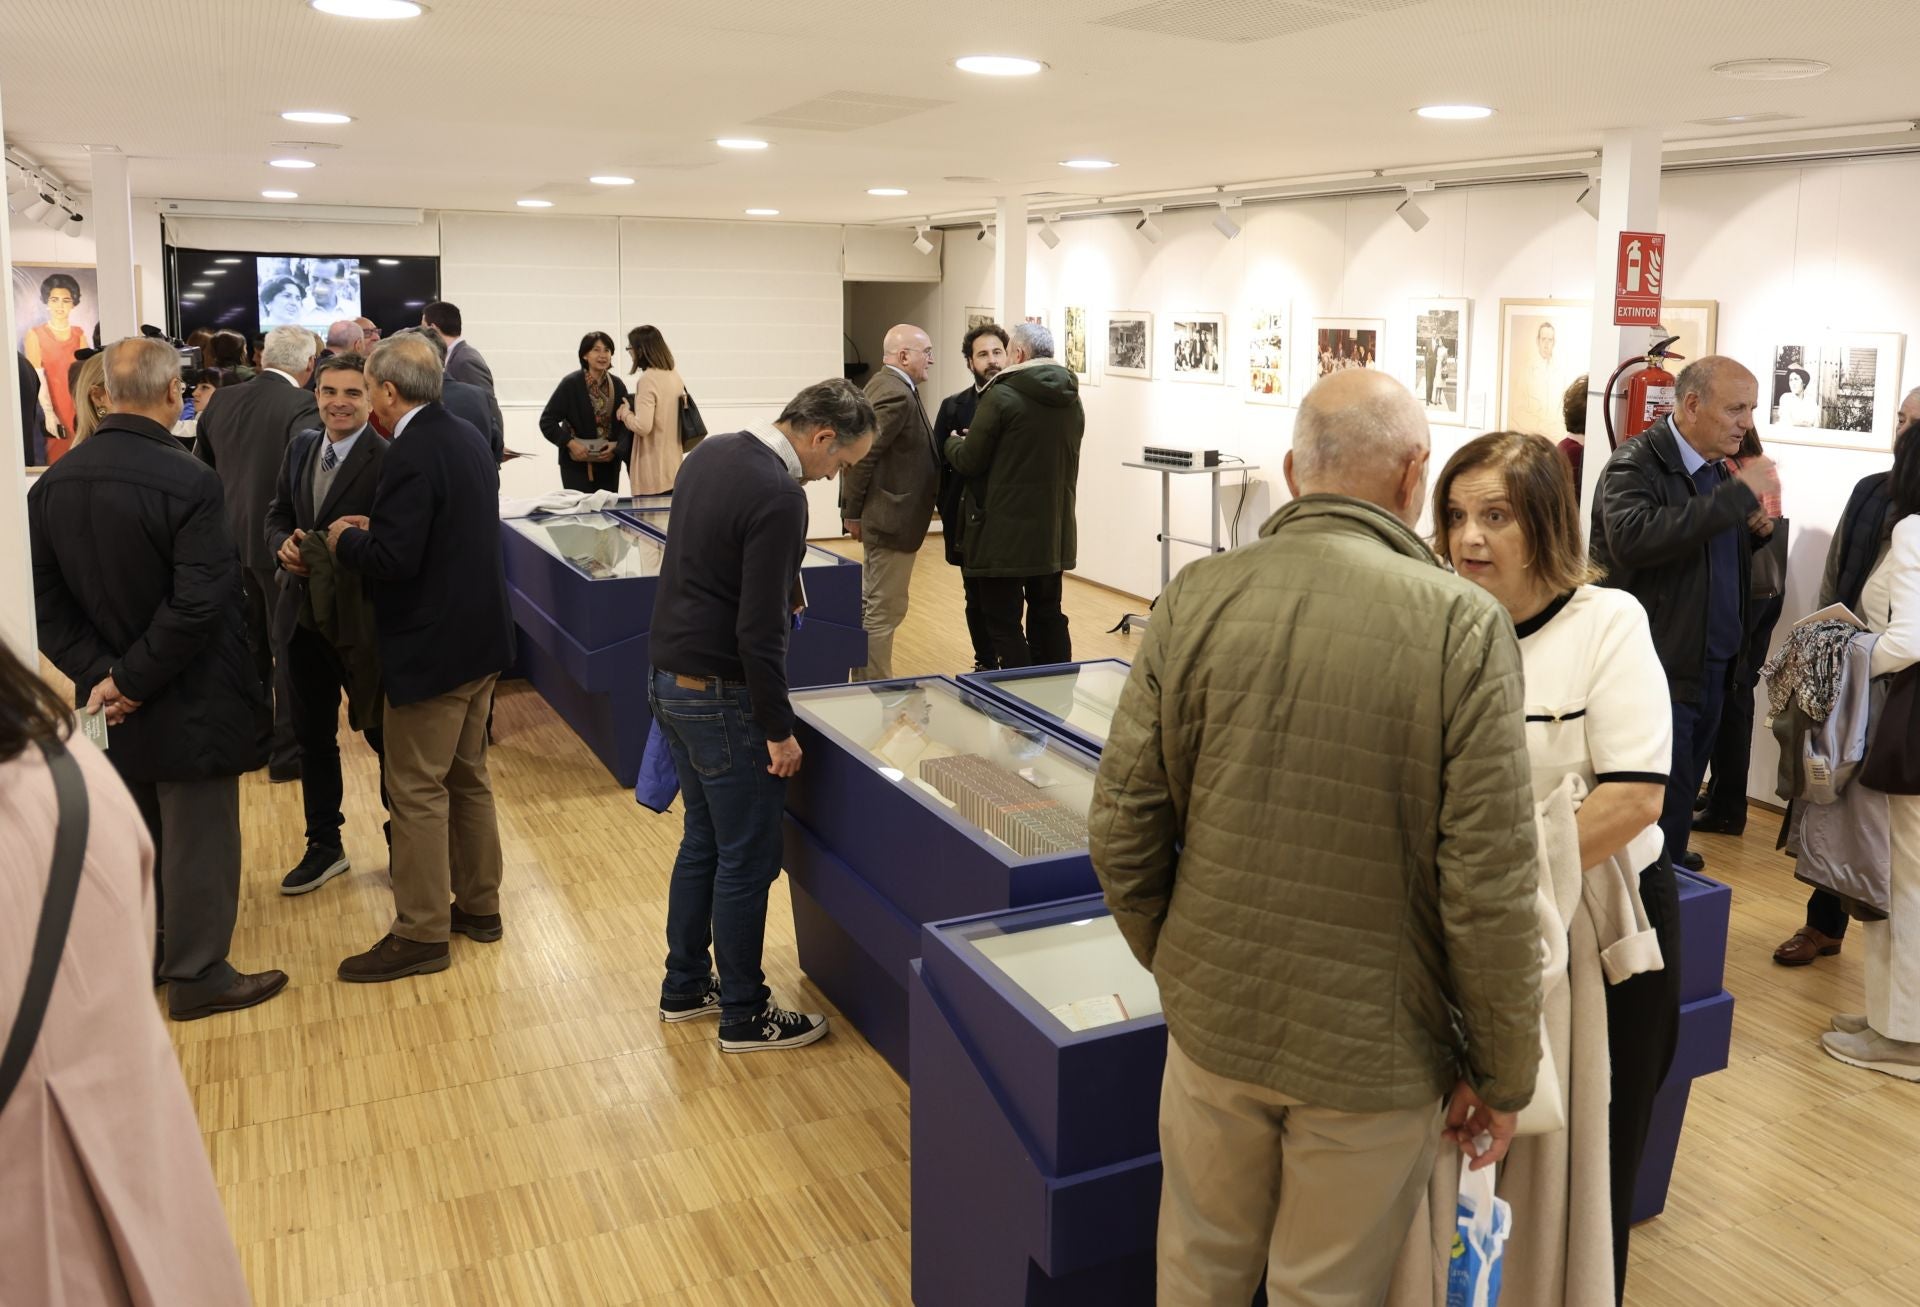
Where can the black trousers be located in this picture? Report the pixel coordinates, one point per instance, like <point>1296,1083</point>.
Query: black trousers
<point>195,826</point>
<point>262,594</point>
<point>1643,1030</point>
<point>319,679</point>
<point>1045,639</point>
<point>1733,747</point>
<point>984,659</point>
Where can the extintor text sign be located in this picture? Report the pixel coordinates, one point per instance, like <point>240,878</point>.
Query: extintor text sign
<point>1637,278</point>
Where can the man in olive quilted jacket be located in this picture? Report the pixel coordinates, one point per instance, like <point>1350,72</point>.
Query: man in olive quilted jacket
<point>1313,823</point>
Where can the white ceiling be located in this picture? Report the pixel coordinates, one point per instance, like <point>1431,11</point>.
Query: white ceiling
<point>481,102</point>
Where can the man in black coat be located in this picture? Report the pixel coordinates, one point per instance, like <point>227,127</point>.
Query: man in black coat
<point>464,400</point>
<point>138,591</point>
<point>460,361</point>
<point>327,474</point>
<point>431,552</point>
<point>33,430</point>
<point>243,436</point>
<point>985,352</point>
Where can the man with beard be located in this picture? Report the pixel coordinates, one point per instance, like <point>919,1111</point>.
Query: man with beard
<point>985,351</point>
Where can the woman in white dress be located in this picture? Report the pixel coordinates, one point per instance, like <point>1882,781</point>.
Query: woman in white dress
<point>1887,1036</point>
<point>1597,706</point>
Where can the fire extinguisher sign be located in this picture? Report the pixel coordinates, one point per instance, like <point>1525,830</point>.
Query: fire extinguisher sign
<point>1637,278</point>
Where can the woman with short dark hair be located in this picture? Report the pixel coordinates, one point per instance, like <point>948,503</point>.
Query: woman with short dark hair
<point>282,301</point>
<point>50,347</point>
<point>579,419</point>
<point>653,421</point>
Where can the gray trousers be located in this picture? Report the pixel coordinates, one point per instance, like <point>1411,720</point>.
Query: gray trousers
<point>195,827</point>
<point>262,587</point>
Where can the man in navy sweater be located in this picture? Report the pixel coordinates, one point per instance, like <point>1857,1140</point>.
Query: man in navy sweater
<point>719,692</point>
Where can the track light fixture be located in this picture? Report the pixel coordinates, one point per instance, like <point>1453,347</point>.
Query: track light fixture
<point>1589,199</point>
<point>986,234</point>
<point>1048,236</point>
<point>1223,221</point>
<point>1409,209</point>
<point>72,223</point>
<point>38,206</point>
<point>920,241</point>
<point>1147,226</point>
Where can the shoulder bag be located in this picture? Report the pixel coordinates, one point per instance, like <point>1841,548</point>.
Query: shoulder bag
<point>56,914</point>
<point>693,427</point>
<point>1893,752</point>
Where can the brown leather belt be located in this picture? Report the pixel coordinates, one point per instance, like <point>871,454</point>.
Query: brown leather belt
<point>686,682</point>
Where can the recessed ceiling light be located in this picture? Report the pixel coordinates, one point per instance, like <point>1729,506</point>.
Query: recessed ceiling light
<point>316,117</point>
<point>1089,164</point>
<point>885,190</point>
<point>740,143</point>
<point>1771,70</point>
<point>1454,112</point>
<point>201,285</point>
<point>292,163</point>
<point>214,272</point>
<point>611,180</point>
<point>193,295</point>
<point>998,65</point>
<point>763,213</point>
<point>227,261</point>
<point>279,195</point>
<point>534,204</point>
<point>391,263</point>
<point>383,9</point>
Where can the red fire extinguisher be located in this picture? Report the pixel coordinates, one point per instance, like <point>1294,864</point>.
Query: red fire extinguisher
<point>1649,394</point>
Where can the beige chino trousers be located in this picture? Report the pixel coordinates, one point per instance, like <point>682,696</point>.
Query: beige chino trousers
<point>446,840</point>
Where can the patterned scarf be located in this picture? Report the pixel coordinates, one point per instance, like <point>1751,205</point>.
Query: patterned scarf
<point>1808,668</point>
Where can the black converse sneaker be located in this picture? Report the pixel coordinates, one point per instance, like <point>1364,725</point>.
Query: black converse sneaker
<point>774,1028</point>
<point>701,1005</point>
<point>317,868</point>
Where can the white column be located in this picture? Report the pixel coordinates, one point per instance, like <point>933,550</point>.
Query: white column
<point>1629,201</point>
<point>111,220</point>
<point>1010,259</point>
<point>16,568</point>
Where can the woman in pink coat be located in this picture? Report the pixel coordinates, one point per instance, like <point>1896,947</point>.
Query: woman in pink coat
<point>106,1196</point>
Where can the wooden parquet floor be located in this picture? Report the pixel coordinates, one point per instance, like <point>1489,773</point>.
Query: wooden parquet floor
<point>522,1130</point>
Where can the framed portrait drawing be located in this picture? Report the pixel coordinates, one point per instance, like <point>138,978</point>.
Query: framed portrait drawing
<point>1543,349</point>
<point>1076,349</point>
<point>1439,374</point>
<point>1840,390</point>
<point>1200,347</point>
<point>1696,323</point>
<point>1340,344</point>
<point>1268,335</point>
<point>977,317</point>
<point>1129,344</point>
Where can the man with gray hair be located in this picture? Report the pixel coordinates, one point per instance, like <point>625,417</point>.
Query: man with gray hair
<point>137,590</point>
<point>430,552</point>
<point>471,403</point>
<point>243,436</point>
<point>1314,823</point>
<point>1021,459</point>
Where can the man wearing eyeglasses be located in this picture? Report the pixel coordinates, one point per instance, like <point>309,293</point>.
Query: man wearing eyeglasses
<point>887,498</point>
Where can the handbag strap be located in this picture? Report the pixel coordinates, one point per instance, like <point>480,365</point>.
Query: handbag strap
<point>56,914</point>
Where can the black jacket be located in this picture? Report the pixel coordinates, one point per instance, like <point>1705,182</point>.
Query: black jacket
<point>33,431</point>
<point>955,416</point>
<point>569,416</point>
<point>1651,528</point>
<point>434,557</point>
<point>135,574</point>
<point>479,408</point>
<point>243,436</point>
<point>1022,464</point>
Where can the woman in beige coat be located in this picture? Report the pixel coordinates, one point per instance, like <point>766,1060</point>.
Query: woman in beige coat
<point>654,417</point>
<point>105,1192</point>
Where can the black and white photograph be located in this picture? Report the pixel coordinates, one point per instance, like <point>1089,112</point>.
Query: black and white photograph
<point>1130,344</point>
<point>313,293</point>
<point>1841,391</point>
<point>1439,373</point>
<point>978,317</point>
<point>1267,337</point>
<point>1342,344</point>
<point>1543,350</point>
<point>1200,348</point>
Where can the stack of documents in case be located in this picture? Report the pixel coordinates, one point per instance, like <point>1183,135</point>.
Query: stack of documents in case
<point>1010,809</point>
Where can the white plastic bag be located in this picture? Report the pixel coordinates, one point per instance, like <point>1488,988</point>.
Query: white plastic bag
<point>1482,1222</point>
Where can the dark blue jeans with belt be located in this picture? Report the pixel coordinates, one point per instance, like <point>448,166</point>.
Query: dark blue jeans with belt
<point>730,852</point>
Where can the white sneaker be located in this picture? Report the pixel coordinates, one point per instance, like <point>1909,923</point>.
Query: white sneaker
<point>1872,1051</point>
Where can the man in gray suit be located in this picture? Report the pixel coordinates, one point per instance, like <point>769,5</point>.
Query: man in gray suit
<point>467,401</point>
<point>467,365</point>
<point>887,498</point>
<point>243,436</point>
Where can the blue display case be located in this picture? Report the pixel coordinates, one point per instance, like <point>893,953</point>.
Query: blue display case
<point>1076,699</point>
<point>921,800</point>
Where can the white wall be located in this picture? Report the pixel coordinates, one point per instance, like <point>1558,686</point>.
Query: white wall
<point>1786,251</point>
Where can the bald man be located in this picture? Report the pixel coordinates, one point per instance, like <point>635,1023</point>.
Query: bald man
<point>1326,980</point>
<point>887,498</point>
<point>1674,528</point>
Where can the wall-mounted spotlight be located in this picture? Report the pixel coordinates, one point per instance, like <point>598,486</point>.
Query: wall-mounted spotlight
<point>72,223</point>
<point>920,241</point>
<point>985,234</point>
<point>1409,209</point>
<point>1048,236</point>
<point>1147,226</point>
<point>1223,221</point>
<point>1589,199</point>
<point>38,206</point>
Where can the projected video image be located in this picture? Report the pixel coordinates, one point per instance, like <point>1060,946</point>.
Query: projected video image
<point>313,293</point>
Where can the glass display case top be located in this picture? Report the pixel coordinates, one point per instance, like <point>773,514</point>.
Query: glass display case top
<point>1080,970</point>
<point>597,546</point>
<point>818,557</point>
<point>973,758</point>
<point>1084,697</point>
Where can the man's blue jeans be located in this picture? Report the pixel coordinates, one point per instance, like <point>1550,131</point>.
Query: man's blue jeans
<point>730,852</point>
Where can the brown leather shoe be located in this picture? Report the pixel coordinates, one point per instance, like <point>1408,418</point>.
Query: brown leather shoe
<point>1804,946</point>
<point>244,992</point>
<point>486,929</point>
<point>393,958</point>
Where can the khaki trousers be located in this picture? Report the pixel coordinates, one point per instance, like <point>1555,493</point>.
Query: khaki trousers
<point>1253,1178</point>
<point>884,577</point>
<point>446,842</point>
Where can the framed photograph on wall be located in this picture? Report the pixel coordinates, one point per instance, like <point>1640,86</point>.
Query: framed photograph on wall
<point>58,306</point>
<point>1075,346</point>
<point>1840,390</point>
<point>1696,323</point>
<point>1200,348</point>
<point>1543,349</point>
<point>1340,344</point>
<point>977,317</point>
<point>1268,335</point>
<point>1439,374</point>
<point>1129,344</point>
